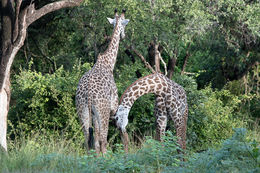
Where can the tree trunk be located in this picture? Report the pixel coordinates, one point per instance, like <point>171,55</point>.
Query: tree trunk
<point>4,108</point>
<point>185,62</point>
<point>154,51</point>
<point>15,18</point>
<point>171,67</point>
<point>186,57</point>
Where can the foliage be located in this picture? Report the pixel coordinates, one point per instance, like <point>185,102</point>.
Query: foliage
<point>224,42</point>
<point>46,102</point>
<point>237,154</point>
<point>212,114</point>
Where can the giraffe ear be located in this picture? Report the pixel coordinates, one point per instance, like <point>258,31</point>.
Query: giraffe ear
<point>111,21</point>
<point>125,22</point>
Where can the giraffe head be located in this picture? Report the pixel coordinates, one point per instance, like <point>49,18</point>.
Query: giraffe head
<point>119,21</point>
<point>121,117</point>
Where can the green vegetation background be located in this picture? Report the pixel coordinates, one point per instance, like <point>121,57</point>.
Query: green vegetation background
<point>222,38</point>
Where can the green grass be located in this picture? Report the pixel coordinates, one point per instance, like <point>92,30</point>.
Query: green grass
<point>38,153</point>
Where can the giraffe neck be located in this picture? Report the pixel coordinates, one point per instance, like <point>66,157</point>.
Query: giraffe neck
<point>108,58</point>
<point>154,83</point>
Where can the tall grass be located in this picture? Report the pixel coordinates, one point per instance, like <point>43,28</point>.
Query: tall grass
<point>39,153</point>
<point>24,152</point>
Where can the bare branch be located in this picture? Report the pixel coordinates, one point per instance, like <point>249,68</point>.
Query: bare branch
<point>16,23</point>
<point>157,58</point>
<point>143,59</point>
<point>164,64</point>
<point>33,14</point>
<point>18,42</point>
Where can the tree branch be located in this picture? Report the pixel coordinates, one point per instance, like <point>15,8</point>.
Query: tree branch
<point>164,64</point>
<point>18,42</point>
<point>143,59</point>
<point>33,14</point>
<point>16,22</point>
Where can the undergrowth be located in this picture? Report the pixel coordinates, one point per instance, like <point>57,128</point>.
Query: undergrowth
<point>35,154</point>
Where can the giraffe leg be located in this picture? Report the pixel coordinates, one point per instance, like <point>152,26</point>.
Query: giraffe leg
<point>97,127</point>
<point>124,138</point>
<point>180,126</point>
<point>104,126</point>
<point>161,117</point>
<point>184,128</point>
<point>103,137</point>
<point>97,137</point>
<point>85,122</point>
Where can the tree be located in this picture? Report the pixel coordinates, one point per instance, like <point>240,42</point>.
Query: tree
<point>16,16</point>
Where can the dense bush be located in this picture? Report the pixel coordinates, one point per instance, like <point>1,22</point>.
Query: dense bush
<point>45,102</point>
<point>212,114</point>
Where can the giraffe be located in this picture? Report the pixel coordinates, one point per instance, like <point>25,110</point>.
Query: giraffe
<point>96,95</point>
<point>171,100</point>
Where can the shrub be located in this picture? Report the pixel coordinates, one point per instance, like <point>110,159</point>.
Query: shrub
<point>212,114</point>
<point>45,102</point>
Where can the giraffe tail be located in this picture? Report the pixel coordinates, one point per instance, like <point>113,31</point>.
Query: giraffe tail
<point>91,138</point>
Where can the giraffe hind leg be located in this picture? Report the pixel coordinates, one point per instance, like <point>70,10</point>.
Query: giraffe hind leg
<point>85,121</point>
<point>97,128</point>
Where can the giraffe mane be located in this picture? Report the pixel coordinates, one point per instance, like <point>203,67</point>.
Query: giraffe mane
<point>122,96</point>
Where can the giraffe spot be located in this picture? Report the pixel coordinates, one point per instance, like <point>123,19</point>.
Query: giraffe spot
<point>150,81</point>
<point>135,88</point>
<point>159,86</point>
<point>136,93</point>
<point>162,118</point>
<point>164,89</point>
<point>159,99</point>
<point>164,84</point>
<point>128,104</point>
<point>142,88</point>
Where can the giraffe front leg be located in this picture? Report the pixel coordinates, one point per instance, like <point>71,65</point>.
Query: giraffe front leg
<point>125,139</point>
<point>161,117</point>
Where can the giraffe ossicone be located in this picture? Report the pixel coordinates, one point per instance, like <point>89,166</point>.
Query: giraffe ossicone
<point>171,101</point>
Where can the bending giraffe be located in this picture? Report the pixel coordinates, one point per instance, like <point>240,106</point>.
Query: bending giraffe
<point>96,96</point>
<point>171,101</point>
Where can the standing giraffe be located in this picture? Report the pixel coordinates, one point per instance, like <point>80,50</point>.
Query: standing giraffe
<point>170,100</point>
<point>96,96</point>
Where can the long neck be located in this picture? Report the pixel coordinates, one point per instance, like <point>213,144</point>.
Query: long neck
<point>108,58</point>
<point>154,83</point>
